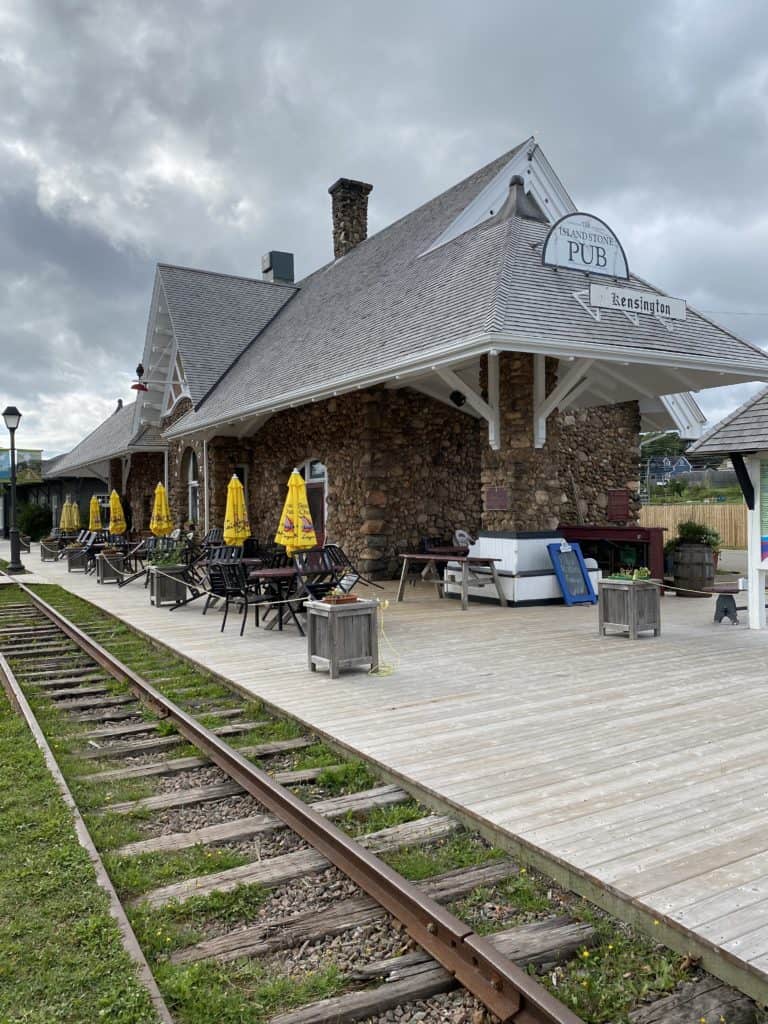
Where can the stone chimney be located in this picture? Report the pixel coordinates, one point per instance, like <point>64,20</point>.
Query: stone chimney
<point>350,214</point>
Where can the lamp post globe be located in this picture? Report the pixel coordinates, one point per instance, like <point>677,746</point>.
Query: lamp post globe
<point>12,418</point>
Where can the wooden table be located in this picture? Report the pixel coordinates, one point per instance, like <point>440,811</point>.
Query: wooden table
<point>466,563</point>
<point>280,582</point>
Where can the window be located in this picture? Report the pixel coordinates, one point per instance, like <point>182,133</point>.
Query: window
<point>316,476</point>
<point>193,486</point>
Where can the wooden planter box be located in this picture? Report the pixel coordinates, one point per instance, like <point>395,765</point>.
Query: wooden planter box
<point>49,552</point>
<point>342,635</point>
<point>76,560</point>
<point>633,606</point>
<point>166,585</point>
<point>109,568</point>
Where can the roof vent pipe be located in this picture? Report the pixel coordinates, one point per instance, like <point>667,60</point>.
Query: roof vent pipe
<point>350,214</point>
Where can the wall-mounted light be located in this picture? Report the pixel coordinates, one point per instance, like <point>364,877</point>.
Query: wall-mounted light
<point>458,398</point>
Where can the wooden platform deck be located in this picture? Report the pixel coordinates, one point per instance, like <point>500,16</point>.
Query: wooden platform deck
<point>634,772</point>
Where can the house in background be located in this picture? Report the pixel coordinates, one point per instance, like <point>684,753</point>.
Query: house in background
<point>485,362</point>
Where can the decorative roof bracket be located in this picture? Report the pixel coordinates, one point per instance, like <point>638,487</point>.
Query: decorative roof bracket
<point>572,384</point>
<point>488,410</point>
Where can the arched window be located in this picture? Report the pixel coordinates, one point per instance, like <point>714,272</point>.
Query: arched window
<point>191,477</point>
<point>316,476</point>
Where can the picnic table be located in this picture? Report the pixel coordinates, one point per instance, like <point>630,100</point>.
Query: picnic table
<point>466,564</point>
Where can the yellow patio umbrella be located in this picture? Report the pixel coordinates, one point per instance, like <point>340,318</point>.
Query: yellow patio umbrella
<point>74,515</point>
<point>94,520</point>
<point>296,530</point>
<point>65,520</point>
<point>161,523</point>
<point>117,522</point>
<point>236,526</point>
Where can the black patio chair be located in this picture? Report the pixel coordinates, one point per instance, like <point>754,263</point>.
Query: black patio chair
<point>211,585</point>
<point>228,580</point>
<point>349,574</point>
<point>317,574</point>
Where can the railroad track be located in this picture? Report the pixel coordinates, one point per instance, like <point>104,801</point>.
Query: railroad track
<point>224,821</point>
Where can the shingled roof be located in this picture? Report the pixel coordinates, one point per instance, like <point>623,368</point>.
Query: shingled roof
<point>214,317</point>
<point>394,302</point>
<point>112,437</point>
<point>745,430</point>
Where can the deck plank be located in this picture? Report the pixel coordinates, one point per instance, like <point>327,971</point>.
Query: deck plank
<point>640,766</point>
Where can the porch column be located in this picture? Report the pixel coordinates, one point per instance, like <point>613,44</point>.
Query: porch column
<point>758,469</point>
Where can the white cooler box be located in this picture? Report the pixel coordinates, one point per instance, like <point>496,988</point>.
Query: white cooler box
<point>525,569</point>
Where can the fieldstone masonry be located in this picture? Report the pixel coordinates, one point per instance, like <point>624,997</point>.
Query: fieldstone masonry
<point>587,452</point>
<point>402,466</point>
<point>146,470</point>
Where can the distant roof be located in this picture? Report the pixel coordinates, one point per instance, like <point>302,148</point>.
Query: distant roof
<point>214,317</point>
<point>112,437</point>
<point>393,301</point>
<point>745,430</point>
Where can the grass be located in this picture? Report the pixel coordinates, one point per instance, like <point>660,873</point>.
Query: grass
<point>351,777</point>
<point>621,970</point>
<point>132,876</point>
<point>163,929</point>
<point>463,850</point>
<point>61,959</point>
<point>242,992</point>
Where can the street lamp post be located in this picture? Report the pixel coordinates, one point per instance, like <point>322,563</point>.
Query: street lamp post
<point>12,418</point>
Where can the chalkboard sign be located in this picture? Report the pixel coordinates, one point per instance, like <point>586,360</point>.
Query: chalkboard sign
<point>572,574</point>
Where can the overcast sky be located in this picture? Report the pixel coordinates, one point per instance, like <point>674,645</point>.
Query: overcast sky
<point>206,132</point>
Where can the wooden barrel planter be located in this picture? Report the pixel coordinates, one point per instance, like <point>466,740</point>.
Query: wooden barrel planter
<point>694,569</point>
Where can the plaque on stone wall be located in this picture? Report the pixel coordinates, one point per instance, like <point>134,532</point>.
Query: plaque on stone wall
<point>497,499</point>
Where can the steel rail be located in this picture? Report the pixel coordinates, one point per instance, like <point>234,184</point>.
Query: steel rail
<point>498,983</point>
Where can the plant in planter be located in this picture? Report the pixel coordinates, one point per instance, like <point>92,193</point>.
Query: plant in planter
<point>172,557</point>
<point>339,596</point>
<point>695,552</point>
<point>641,573</point>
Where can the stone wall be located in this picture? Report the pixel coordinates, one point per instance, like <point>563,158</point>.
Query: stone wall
<point>587,452</point>
<point>402,466</point>
<point>146,470</point>
<point>116,475</point>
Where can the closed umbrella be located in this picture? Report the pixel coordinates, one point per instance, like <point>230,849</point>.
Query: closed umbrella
<point>65,520</point>
<point>116,515</point>
<point>236,526</point>
<point>74,514</point>
<point>94,520</point>
<point>296,530</point>
<point>161,523</point>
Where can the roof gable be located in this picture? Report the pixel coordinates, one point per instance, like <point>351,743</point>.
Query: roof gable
<point>745,430</point>
<point>214,317</point>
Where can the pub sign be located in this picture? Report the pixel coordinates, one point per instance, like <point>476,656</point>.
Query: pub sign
<point>582,242</point>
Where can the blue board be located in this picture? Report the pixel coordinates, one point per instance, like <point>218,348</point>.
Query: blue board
<point>572,574</point>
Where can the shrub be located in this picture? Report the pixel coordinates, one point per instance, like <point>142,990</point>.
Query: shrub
<point>691,532</point>
<point>34,520</point>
